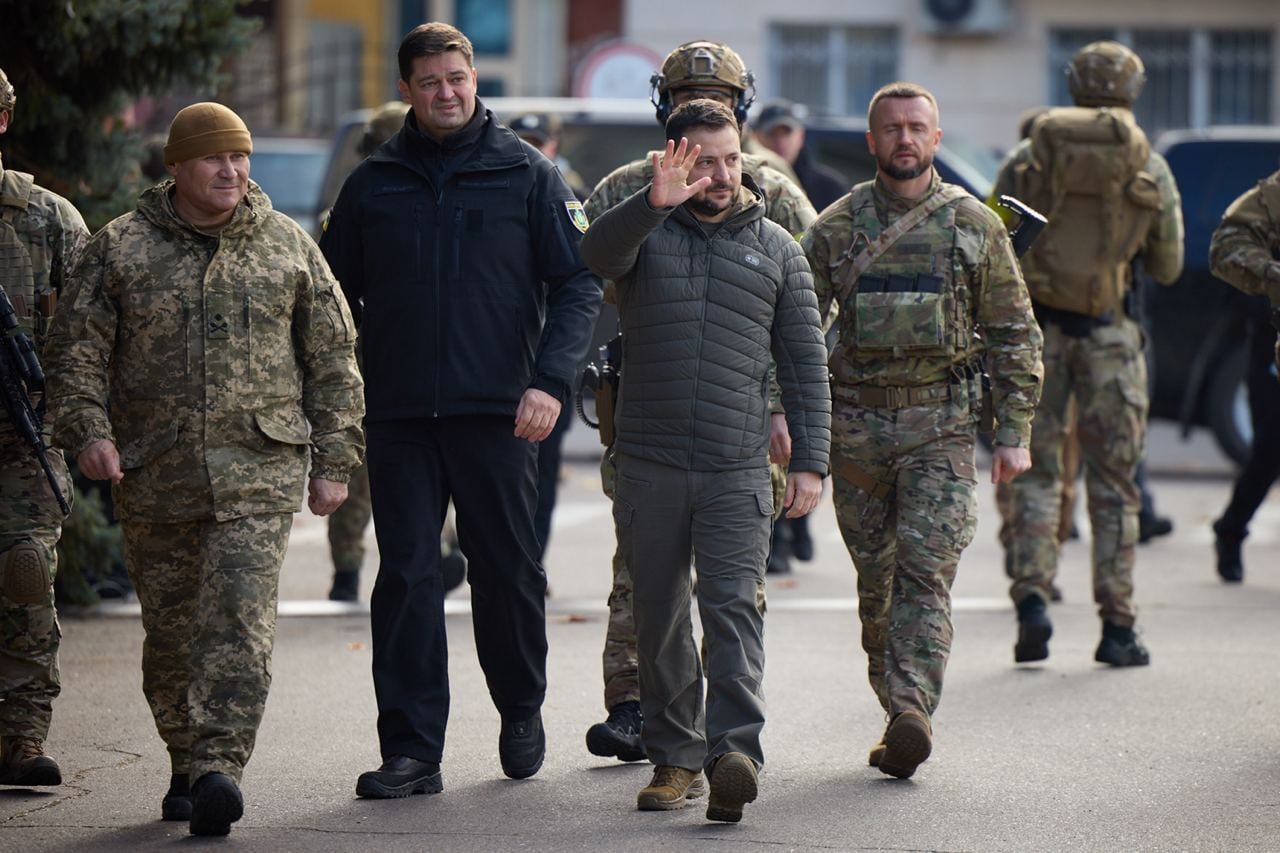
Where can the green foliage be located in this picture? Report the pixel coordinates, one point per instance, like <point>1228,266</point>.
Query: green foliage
<point>77,63</point>
<point>89,547</point>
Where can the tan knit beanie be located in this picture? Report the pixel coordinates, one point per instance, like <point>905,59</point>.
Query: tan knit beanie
<point>205,128</point>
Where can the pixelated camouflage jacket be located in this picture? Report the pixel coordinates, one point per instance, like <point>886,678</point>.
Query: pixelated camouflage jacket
<point>1245,249</point>
<point>1162,253</point>
<point>991,304</point>
<point>213,362</point>
<point>784,203</point>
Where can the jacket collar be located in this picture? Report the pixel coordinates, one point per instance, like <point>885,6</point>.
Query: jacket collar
<point>888,203</point>
<point>156,206</point>
<point>499,147</point>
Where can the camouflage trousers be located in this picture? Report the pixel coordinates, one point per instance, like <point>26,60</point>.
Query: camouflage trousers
<point>1070,480</point>
<point>620,658</point>
<point>1106,374</point>
<point>30,523</point>
<point>906,545</point>
<point>208,591</point>
<point>348,523</point>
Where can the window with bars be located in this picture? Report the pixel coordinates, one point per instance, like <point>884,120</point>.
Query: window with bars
<point>1194,77</point>
<point>831,68</point>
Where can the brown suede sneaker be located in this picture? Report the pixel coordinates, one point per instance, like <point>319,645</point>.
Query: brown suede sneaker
<point>734,782</point>
<point>907,743</point>
<point>671,788</point>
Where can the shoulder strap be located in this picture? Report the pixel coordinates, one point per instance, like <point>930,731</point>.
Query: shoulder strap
<point>856,266</point>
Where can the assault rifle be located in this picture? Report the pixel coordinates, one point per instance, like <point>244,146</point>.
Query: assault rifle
<point>1030,224</point>
<point>602,380</point>
<point>20,372</point>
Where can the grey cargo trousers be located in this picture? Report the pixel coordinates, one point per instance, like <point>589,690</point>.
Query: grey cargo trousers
<point>723,519</point>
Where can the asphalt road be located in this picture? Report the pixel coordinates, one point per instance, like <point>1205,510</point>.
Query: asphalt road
<point>1069,755</point>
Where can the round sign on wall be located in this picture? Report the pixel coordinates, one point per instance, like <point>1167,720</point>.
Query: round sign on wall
<point>615,69</point>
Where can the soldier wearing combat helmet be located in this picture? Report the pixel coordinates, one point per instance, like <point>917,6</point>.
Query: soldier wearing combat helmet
<point>1124,204</point>
<point>697,69</point>
<point>40,236</point>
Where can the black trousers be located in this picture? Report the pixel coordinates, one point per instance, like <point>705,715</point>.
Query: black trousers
<point>549,455</point>
<point>1263,465</point>
<point>415,467</point>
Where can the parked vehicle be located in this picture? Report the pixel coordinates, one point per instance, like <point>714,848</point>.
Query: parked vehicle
<point>1197,325</point>
<point>291,172</point>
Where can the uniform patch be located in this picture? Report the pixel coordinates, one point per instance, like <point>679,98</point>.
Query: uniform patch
<point>751,259</point>
<point>577,215</point>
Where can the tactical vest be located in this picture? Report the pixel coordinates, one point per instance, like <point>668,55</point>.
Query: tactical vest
<point>913,300</point>
<point>1087,173</point>
<point>17,274</point>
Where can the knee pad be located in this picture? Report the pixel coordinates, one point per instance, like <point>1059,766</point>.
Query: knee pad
<point>26,574</point>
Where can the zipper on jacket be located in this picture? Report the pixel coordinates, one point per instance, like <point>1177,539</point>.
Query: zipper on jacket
<point>702,336</point>
<point>455,270</point>
<point>248,329</point>
<point>186,332</point>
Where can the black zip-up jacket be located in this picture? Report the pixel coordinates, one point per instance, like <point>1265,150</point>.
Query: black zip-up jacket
<point>451,259</point>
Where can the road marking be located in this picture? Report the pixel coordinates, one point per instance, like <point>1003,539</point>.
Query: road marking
<point>570,607</point>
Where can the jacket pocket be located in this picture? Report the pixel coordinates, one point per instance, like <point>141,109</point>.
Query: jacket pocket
<point>149,446</point>
<point>899,321</point>
<point>285,426</point>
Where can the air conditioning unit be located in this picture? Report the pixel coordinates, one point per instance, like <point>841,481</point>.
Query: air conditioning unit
<point>944,18</point>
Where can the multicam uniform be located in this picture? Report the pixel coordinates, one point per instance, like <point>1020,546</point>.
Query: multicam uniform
<point>1104,370</point>
<point>219,365</point>
<point>40,236</point>
<point>1245,251</point>
<point>914,330</point>
<point>785,204</point>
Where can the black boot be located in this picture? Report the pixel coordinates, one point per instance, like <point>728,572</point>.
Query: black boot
<point>176,804</point>
<point>400,776</point>
<point>1228,544</point>
<point>1151,525</point>
<point>1121,647</point>
<point>619,735</point>
<point>1034,630</point>
<point>521,746</point>
<point>216,803</point>
<point>346,585</point>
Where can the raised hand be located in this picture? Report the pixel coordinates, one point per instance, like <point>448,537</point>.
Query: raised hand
<point>670,171</point>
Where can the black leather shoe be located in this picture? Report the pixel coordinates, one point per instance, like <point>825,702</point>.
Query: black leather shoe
<point>521,746</point>
<point>1227,545</point>
<point>1034,630</point>
<point>216,803</point>
<point>400,776</point>
<point>176,804</point>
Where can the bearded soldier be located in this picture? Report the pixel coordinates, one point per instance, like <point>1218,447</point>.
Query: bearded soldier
<point>40,235</point>
<point>930,294</point>
<point>696,69</point>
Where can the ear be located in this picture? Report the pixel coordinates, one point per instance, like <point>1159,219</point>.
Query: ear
<point>871,143</point>
<point>475,78</point>
<point>172,169</point>
<point>4,121</point>
<point>403,88</point>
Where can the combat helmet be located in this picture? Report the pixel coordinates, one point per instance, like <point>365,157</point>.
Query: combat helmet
<point>383,124</point>
<point>703,63</point>
<point>8,98</point>
<point>1104,74</point>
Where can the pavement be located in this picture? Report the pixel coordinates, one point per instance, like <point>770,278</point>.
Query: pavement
<point>1065,755</point>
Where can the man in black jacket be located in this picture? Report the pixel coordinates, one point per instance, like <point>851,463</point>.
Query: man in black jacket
<point>451,242</point>
<point>779,126</point>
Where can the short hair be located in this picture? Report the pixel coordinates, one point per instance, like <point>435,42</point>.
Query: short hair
<point>700,112</point>
<point>901,89</point>
<point>430,39</point>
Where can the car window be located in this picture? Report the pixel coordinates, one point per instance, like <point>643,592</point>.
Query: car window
<point>1210,175</point>
<point>595,150</point>
<point>291,179</point>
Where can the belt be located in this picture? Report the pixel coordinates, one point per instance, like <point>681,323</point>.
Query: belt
<point>893,397</point>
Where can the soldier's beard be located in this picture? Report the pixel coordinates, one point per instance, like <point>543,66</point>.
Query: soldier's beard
<point>906,173</point>
<point>702,203</point>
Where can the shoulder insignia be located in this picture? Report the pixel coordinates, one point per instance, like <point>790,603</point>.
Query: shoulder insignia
<point>577,215</point>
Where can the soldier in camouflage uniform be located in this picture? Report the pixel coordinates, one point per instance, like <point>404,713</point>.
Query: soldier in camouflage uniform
<point>697,69</point>
<point>203,357</point>
<point>929,293</point>
<point>1080,277</point>
<point>1245,252</point>
<point>40,234</point>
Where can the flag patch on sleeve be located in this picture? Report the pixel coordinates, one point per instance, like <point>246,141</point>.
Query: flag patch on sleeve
<point>577,215</point>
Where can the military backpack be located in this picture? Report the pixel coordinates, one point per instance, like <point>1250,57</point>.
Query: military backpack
<point>1088,174</point>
